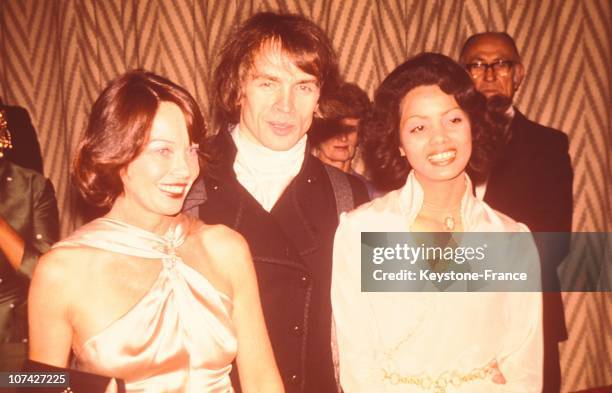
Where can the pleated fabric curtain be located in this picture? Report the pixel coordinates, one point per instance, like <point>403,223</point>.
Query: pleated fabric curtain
<point>56,56</point>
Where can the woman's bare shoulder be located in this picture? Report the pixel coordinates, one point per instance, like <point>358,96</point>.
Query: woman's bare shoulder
<point>220,241</point>
<point>64,263</point>
<point>216,246</point>
<point>219,253</point>
<point>59,272</point>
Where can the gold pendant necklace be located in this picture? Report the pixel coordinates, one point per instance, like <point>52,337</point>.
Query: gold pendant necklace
<point>449,223</point>
<point>445,217</point>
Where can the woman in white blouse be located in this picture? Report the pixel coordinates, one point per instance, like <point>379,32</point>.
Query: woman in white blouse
<point>429,129</point>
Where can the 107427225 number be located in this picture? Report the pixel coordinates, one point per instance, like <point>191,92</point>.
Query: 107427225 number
<point>33,379</point>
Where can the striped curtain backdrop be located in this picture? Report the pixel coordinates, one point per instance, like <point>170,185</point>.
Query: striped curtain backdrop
<point>56,56</point>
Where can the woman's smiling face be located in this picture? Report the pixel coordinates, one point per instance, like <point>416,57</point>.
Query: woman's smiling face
<point>158,179</point>
<point>435,134</point>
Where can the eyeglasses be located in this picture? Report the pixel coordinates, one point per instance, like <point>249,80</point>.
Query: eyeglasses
<point>499,67</point>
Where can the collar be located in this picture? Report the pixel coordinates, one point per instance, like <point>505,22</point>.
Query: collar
<point>219,175</point>
<point>260,162</point>
<point>263,172</point>
<point>411,200</point>
<point>511,112</point>
<point>124,238</point>
<point>225,151</point>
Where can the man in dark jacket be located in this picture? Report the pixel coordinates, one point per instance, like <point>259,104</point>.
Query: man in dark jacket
<point>531,180</point>
<point>29,224</point>
<point>272,74</point>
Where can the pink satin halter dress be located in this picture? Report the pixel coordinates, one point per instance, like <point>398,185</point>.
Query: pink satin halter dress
<point>178,337</point>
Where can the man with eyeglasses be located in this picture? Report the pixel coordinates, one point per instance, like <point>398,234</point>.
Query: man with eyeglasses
<point>531,180</point>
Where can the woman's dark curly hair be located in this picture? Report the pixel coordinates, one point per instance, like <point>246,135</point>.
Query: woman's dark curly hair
<point>118,129</point>
<point>381,129</point>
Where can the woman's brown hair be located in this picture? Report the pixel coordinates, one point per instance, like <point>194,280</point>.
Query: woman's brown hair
<point>118,129</point>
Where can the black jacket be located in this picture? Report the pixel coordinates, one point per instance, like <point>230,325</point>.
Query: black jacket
<point>532,183</point>
<point>532,180</point>
<point>28,205</point>
<point>292,252</point>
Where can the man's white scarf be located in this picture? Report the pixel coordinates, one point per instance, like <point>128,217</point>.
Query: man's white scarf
<point>263,172</point>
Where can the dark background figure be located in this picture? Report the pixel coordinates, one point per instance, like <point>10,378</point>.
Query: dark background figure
<point>268,187</point>
<point>26,149</point>
<point>335,136</point>
<point>531,180</point>
<point>29,224</point>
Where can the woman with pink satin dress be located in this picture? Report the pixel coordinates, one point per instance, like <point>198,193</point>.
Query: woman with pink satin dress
<point>145,294</point>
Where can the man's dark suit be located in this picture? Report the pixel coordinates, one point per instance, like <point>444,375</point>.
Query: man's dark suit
<point>532,180</point>
<point>532,183</point>
<point>26,150</point>
<point>292,252</point>
<point>28,205</point>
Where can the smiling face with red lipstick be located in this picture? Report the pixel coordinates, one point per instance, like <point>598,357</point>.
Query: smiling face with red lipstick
<point>428,117</point>
<point>141,150</point>
<point>157,180</point>
<point>278,100</point>
<point>435,134</point>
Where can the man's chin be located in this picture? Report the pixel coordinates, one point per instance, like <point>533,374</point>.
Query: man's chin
<point>341,158</point>
<point>281,143</point>
<point>499,103</point>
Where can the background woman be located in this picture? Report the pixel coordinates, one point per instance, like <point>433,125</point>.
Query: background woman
<point>146,294</point>
<point>428,128</point>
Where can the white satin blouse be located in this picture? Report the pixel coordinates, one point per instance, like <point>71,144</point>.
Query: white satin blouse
<point>421,341</point>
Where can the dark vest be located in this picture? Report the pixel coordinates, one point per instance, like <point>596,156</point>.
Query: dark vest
<point>292,251</point>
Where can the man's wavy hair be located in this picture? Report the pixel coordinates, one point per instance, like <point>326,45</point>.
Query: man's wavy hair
<point>302,41</point>
<point>118,130</point>
<point>381,129</point>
